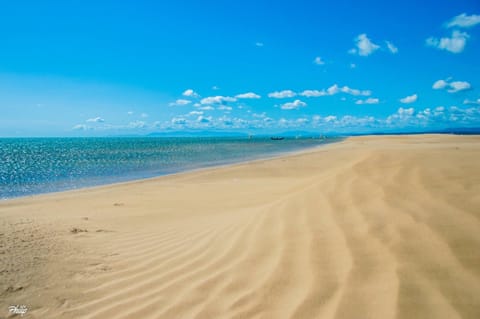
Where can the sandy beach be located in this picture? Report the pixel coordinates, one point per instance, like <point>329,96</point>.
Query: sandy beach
<point>371,227</point>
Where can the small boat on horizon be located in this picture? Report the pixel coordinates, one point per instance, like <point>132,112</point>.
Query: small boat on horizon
<point>277,138</point>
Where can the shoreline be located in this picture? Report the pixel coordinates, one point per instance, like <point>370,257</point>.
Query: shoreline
<point>187,171</point>
<point>387,226</point>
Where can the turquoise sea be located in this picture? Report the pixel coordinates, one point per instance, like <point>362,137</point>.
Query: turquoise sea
<point>30,166</point>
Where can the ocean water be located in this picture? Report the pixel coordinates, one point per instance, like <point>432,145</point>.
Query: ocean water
<point>30,166</point>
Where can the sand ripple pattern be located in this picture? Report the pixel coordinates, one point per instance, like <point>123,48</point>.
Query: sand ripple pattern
<point>363,229</point>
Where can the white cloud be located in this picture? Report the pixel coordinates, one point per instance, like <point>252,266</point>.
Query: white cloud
<point>215,88</point>
<point>355,92</point>
<point>455,44</point>
<point>370,100</point>
<point>190,93</point>
<point>130,112</point>
<point>406,112</point>
<point>259,44</point>
<point>96,120</point>
<point>364,46</point>
<point>452,87</point>
<point>144,115</point>
<point>330,118</point>
<point>80,127</point>
<point>293,105</point>
<point>195,113</point>
<point>464,21</point>
<point>334,89</point>
<point>137,124</point>
<point>249,95</point>
<point>440,84</point>
<point>224,108</point>
<point>318,61</point>
<point>458,86</point>
<point>282,94</point>
<point>217,99</point>
<point>409,99</point>
<point>401,115</point>
<point>206,108</point>
<point>392,48</point>
<point>180,102</point>
<point>313,93</point>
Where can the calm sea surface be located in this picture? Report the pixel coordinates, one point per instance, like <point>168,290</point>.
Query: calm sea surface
<point>31,166</point>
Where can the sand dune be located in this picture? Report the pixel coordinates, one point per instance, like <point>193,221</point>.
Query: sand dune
<point>373,227</point>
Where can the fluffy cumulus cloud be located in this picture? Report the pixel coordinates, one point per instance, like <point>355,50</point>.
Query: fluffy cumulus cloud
<point>249,95</point>
<point>458,86</point>
<point>364,46</point>
<point>464,21</point>
<point>452,116</point>
<point>293,105</point>
<point>409,99</point>
<point>318,61</point>
<point>355,92</point>
<point>401,115</point>
<point>96,120</point>
<point>313,93</point>
<point>451,87</point>
<point>190,93</point>
<point>334,89</point>
<point>370,100</point>
<point>429,118</point>
<point>217,99</point>
<point>440,84</point>
<point>282,94</point>
<point>180,102</point>
<point>454,44</point>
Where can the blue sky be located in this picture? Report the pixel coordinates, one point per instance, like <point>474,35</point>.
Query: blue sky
<point>83,68</point>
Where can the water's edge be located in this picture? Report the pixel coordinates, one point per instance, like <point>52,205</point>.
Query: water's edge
<point>105,181</point>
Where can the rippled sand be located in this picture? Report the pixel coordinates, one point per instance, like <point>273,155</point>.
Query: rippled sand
<point>372,227</point>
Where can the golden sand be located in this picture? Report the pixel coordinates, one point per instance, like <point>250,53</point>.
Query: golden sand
<point>372,227</point>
